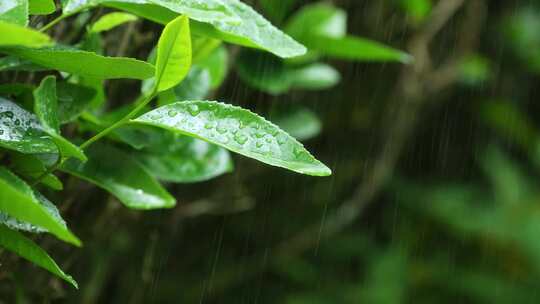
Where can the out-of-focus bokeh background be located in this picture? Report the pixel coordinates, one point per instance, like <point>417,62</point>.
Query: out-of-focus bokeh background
<point>434,196</point>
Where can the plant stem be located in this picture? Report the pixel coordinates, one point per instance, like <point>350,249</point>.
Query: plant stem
<point>119,123</point>
<point>54,22</point>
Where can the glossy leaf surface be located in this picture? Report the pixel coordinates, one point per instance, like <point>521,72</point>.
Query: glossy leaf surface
<point>237,130</point>
<point>248,28</point>
<point>173,54</point>
<point>24,247</point>
<point>84,63</point>
<point>174,157</point>
<point>46,109</point>
<point>21,130</point>
<point>117,172</point>
<point>205,11</point>
<point>31,168</point>
<point>14,11</point>
<point>17,199</point>
<point>13,34</point>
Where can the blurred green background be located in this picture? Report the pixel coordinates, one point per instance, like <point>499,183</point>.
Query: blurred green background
<point>434,196</point>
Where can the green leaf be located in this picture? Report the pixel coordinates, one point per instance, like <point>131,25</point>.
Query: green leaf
<point>117,172</point>
<point>46,109</point>
<point>173,54</point>
<point>73,100</point>
<point>41,7</point>
<point>323,27</point>
<point>238,130</point>
<point>111,20</point>
<point>13,34</point>
<point>18,200</point>
<point>195,161</point>
<point>195,86</point>
<point>355,48</point>
<point>21,131</point>
<point>254,31</point>
<point>299,122</point>
<point>174,157</point>
<point>14,11</point>
<point>84,63</point>
<point>32,168</point>
<point>217,65</point>
<point>49,207</point>
<point>204,11</point>
<point>249,29</point>
<point>271,75</point>
<point>24,247</point>
<point>318,19</point>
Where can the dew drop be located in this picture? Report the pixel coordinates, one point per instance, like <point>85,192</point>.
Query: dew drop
<point>194,110</point>
<point>172,113</point>
<point>240,138</point>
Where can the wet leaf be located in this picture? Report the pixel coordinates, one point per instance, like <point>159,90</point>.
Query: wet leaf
<point>49,207</point>
<point>173,54</point>
<point>173,157</point>
<point>31,167</point>
<point>13,34</point>
<point>17,199</point>
<point>248,28</point>
<point>117,172</point>
<point>205,11</point>
<point>14,11</point>
<point>237,130</point>
<point>111,20</point>
<point>24,247</point>
<point>21,131</point>
<point>84,63</point>
<point>46,109</point>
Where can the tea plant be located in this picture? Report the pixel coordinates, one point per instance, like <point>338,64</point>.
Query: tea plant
<point>54,115</point>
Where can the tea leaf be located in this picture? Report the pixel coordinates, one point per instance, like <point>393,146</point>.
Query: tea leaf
<point>111,20</point>
<point>18,200</point>
<point>13,34</point>
<point>117,172</point>
<point>173,54</point>
<point>21,131</point>
<point>299,122</point>
<point>279,78</point>
<point>323,29</point>
<point>46,109</point>
<point>41,7</point>
<point>248,29</point>
<point>14,11</point>
<point>84,63</point>
<point>205,11</point>
<point>355,48</point>
<point>24,247</point>
<point>173,157</point>
<point>238,130</point>
<point>31,167</point>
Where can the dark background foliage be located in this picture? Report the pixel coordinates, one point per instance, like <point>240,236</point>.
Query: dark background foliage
<point>433,196</point>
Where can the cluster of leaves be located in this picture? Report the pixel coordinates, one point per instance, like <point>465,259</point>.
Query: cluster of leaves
<point>61,122</point>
